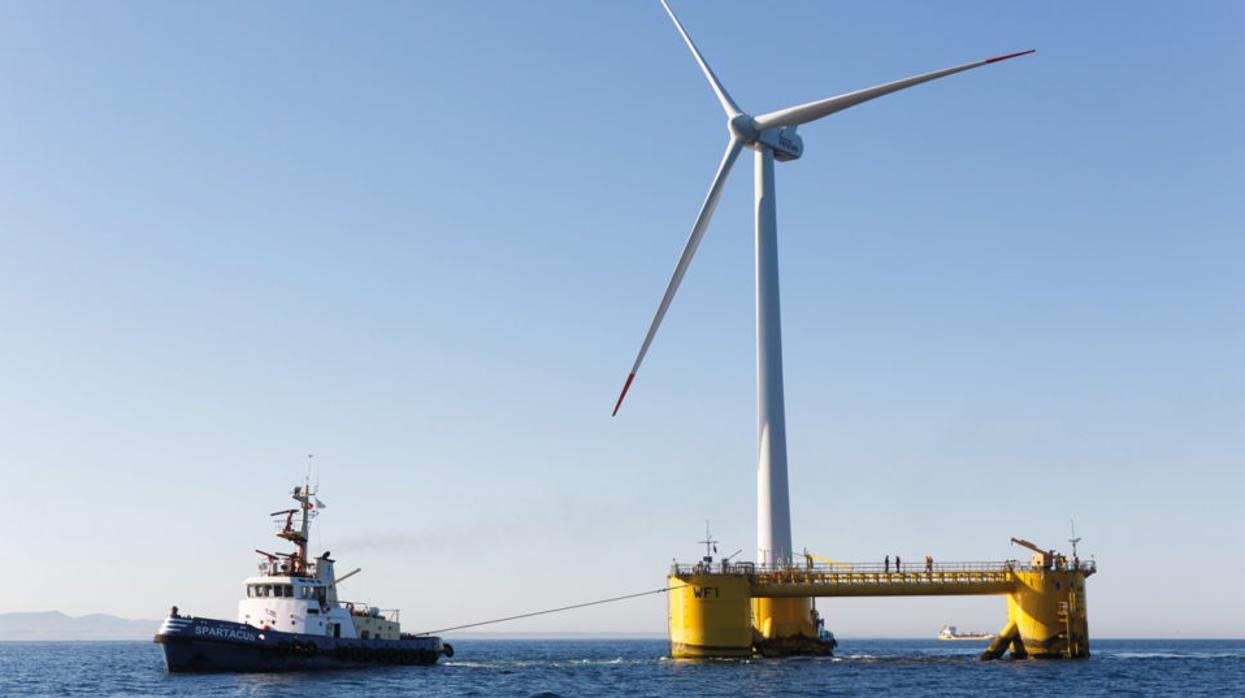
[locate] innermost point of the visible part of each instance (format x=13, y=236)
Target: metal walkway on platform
x=874, y=579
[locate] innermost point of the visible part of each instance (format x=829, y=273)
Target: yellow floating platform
x=737, y=610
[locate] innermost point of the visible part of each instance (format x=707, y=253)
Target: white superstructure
x=295, y=604
x=295, y=595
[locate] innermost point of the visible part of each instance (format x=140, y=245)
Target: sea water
x=642, y=668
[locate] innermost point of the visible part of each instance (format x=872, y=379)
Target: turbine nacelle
x=786, y=144
x=783, y=141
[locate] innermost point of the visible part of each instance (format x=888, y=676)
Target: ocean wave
x=1176, y=655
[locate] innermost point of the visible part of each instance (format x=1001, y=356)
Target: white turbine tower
x=772, y=137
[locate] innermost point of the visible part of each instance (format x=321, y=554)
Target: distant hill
x=54, y=625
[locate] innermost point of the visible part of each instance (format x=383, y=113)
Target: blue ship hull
x=207, y=645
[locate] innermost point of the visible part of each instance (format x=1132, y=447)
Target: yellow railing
x=874, y=579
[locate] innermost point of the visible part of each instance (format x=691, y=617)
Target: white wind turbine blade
x=804, y=113
x=728, y=104
x=689, y=250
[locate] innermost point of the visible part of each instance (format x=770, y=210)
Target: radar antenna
x=711, y=545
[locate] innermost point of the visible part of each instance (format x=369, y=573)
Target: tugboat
x=290, y=617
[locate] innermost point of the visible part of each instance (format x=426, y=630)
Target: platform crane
x=809, y=557
x=1042, y=558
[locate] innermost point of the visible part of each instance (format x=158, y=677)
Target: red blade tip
x=630, y=377
x=996, y=59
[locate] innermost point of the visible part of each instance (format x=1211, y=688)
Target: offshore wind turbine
x=772, y=136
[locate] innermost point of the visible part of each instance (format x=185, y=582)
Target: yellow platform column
x=786, y=627
x=1048, y=608
x=710, y=616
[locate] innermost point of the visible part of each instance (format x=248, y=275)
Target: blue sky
x=423, y=242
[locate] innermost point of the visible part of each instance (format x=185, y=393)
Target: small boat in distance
x=290, y=617
x=949, y=632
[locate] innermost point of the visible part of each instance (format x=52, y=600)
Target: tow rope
x=552, y=610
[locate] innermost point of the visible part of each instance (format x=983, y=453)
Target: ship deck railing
x=361, y=609
x=852, y=568
x=879, y=579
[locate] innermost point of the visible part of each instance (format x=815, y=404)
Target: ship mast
x=299, y=536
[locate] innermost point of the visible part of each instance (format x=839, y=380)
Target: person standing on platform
x=898, y=564
x=887, y=564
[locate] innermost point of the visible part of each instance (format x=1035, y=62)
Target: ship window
x=250, y=591
x=364, y=635
x=287, y=591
